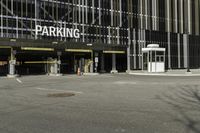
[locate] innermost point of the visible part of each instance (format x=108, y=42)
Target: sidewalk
x=175, y=72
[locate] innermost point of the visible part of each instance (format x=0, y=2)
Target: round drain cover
x=66, y=94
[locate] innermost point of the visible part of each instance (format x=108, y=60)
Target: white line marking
x=44, y=89
x=18, y=80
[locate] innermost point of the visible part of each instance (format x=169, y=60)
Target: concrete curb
x=165, y=74
x=55, y=75
x=12, y=76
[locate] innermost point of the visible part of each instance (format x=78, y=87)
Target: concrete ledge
x=188, y=72
x=128, y=71
x=90, y=74
x=12, y=76
x=56, y=75
x=114, y=72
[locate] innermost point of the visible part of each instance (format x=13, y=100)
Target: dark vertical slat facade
x=109, y=22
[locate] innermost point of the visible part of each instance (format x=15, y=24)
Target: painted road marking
x=45, y=89
x=18, y=80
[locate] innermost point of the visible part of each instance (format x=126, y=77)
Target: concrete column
x=11, y=67
x=92, y=64
x=12, y=64
x=91, y=68
x=128, y=60
x=128, y=53
x=114, y=70
x=102, y=63
x=54, y=68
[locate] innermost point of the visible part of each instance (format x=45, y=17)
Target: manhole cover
x=66, y=94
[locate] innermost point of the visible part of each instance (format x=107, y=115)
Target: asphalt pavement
x=107, y=103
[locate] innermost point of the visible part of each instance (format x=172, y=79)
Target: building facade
x=113, y=31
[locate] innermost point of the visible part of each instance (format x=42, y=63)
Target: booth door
x=145, y=61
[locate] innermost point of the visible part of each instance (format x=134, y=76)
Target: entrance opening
x=4, y=63
x=82, y=61
x=121, y=62
x=33, y=62
x=46, y=62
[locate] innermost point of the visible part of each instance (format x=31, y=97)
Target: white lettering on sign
x=57, y=31
x=52, y=31
x=45, y=31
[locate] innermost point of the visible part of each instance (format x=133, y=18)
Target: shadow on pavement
x=186, y=103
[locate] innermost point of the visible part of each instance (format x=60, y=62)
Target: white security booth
x=153, y=58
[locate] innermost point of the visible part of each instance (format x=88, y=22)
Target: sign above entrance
x=57, y=31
